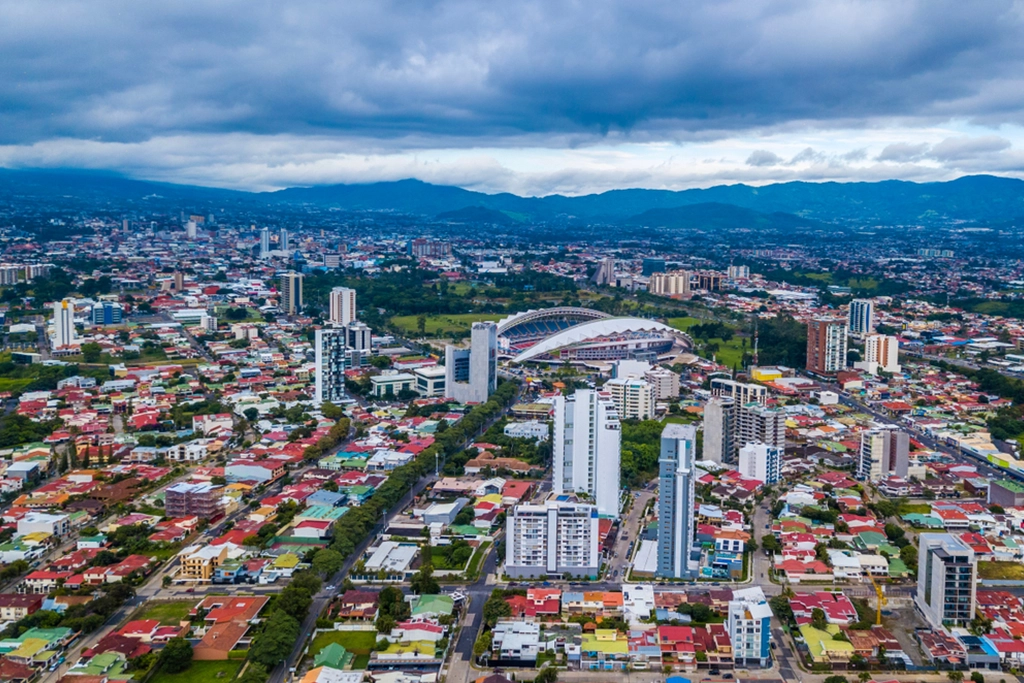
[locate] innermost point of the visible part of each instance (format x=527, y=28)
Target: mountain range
x=971, y=200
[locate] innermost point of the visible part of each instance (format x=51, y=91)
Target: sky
x=530, y=97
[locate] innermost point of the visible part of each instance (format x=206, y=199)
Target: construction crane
x=881, y=600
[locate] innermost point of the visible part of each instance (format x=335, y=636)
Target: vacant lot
x=1007, y=571
x=202, y=672
x=356, y=642
x=168, y=613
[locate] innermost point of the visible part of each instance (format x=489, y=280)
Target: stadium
x=580, y=335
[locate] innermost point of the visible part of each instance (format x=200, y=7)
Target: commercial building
x=677, y=494
x=1006, y=493
x=430, y=249
x=330, y=359
x=553, y=539
x=719, y=413
x=862, y=316
x=291, y=293
x=750, y=627
x=633, y=398
x=883, y=453
x=471, y=375
x=429, y=380
x=762, y=462
x=826, y=346
x=586, y=448
x=63, y=323
x=652, y=266
x=201, y=500
x=947, y=571
x=107, y=313
x=343, y=305
x=391, y=384
x=41, y=522
x=881, y=353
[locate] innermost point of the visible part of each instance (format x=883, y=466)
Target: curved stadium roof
x=593, y=330
x=506, y=324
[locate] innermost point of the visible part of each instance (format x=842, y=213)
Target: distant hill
x=714, y=215
x=477, y=214
x=972, y=200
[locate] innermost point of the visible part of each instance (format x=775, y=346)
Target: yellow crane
x=881, y=600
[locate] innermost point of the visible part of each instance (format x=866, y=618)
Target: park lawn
x=682, y=419
x=360, y=662
x=863, y=283
x=356, y=642
x=915, y=508
x=445, y=323
x=683, y=323
x=1007, y=571
x=478, y=556
x=203, y=672
x=438, y=559
x=168, y=613
x=252, y=315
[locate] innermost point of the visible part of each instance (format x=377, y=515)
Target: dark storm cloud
x=465, y=72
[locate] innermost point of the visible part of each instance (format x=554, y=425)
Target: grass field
x=357, y=642
x=1009, y=571
x=168, y=613
x=915, y=508
x=729, y=353
x=202, y=672
x=442, y=324
x=360, y=662
x=684, y=323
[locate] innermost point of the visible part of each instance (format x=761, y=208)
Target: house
x=356, y=604
x=14, y=607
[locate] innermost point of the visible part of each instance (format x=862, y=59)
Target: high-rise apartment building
x=190, y=230
x=947, y=572
x=676, y=498
x=755, y=423
x=883, y=453
x=471, y=375
x=422, y=247
x=360, y=338
x=750, y=627
x=10, y=275
x=200, y=500
x=826, y=346
x=107, y=313
x=665, y=383
x=331, y=363
x=554, y=539
x=633, y=398
x=282, y=240
x=719, y=413
x=739, y=272
x=343, y=305
x=264, y=242
x=762, y=462
x=862, y=316
x=586, y=448
x=63, y=323
x=651, y=266
x=291, y=293
x=881, y=353
x=675, y=283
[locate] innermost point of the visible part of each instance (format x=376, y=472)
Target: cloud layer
x=302, y=89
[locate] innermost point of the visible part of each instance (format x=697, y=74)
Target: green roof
x=820, y=642
x=1010, y=485
x=897, y=568
x=591, y=643
x=917, y=519
x=466, y=530
x=333, y=656
x=433, y=604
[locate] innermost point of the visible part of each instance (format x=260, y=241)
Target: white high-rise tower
x=343, y=305
x=586, y=448
x=63, y=323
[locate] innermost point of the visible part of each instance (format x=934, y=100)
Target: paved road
x=629, y=532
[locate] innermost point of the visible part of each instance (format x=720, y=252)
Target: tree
x=818, y=619
x=771, y=544
x=251, y=414
x=327, y=562
x=977, y=677
x=955, y=676
x=424, y=583
x=176, y=656
x=254, y=673
x=836, y=679
x=331, y=411
x=91, y=352
x=275, y=643
x=548, y=674
x=496, y=608
x=864, y=676
x=294, y=602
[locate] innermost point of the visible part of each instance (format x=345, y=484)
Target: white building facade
x=586, y=448
x=554, y=539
